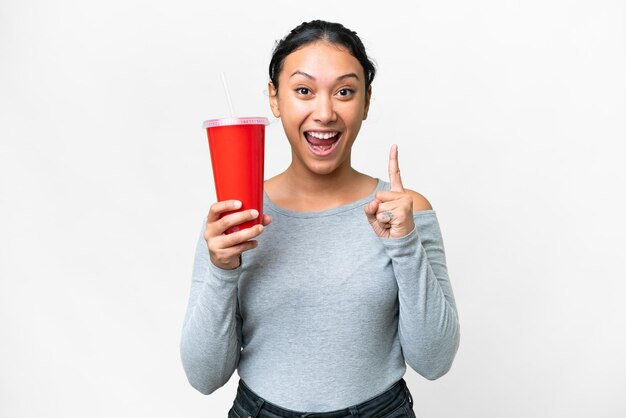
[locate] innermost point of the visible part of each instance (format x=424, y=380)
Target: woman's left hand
x=391, y=211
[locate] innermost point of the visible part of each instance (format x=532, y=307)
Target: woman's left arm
x=428, y=325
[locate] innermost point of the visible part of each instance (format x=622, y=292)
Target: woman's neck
x=299, y=189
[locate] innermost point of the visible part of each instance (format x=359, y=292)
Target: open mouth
x=322, y=142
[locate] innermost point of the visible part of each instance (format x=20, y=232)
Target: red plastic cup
x=237, y=148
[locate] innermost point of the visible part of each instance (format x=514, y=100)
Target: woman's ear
x=368, y=96
x=273, y=92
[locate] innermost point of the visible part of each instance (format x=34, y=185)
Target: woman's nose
x=324, y=111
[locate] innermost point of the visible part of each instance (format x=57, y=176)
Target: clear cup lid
x=212, y=123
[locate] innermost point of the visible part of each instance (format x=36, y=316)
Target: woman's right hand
x=225, y=249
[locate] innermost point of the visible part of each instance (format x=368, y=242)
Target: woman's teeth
x=322, y=142
x=322, y=138
x=323, y=135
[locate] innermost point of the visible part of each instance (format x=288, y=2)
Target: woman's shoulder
x=420, y=202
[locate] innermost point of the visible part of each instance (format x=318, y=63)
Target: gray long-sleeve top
x=324, y=313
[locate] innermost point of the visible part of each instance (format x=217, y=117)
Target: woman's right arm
x=211, y=336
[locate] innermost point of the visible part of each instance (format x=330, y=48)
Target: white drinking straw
x=230, y=103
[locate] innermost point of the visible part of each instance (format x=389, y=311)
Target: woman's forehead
x=320, y=60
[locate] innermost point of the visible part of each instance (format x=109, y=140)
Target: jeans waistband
x=386, y=402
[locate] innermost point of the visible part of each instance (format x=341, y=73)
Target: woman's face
x=322, y=102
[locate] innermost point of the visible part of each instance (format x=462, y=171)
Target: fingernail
x=237, y=204
x=260, y=228
x=254, y=213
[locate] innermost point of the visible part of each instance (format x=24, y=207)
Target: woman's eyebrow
x=303, y=74
x=341, y=77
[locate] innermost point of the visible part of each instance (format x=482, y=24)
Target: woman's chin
x=323, y=168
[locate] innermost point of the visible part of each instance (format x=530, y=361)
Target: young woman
x=347, y=281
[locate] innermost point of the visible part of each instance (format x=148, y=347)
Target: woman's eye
x=303, y=90
x=345, y=92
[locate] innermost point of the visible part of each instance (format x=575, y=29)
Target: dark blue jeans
x=396, y=402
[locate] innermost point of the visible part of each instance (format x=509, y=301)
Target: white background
x=508, y=114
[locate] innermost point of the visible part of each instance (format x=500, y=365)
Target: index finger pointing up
x=394, y=170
